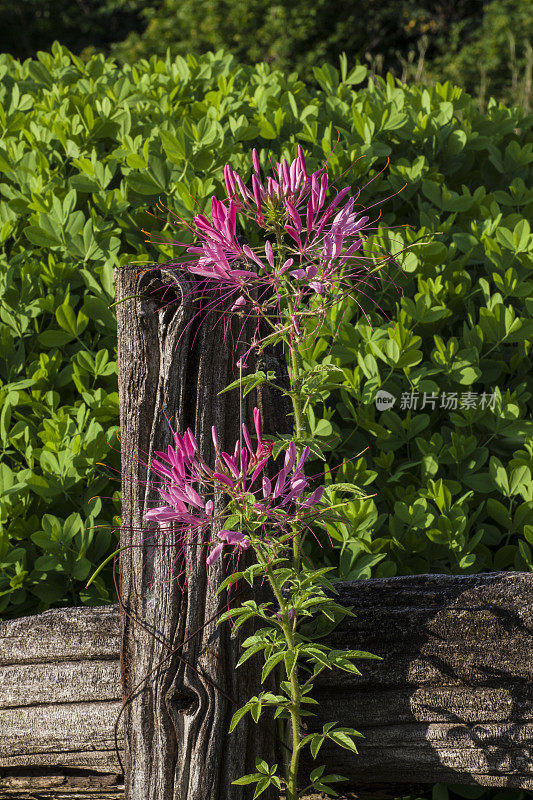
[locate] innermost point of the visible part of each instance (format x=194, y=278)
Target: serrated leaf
x=249, y=653
x=316, y=744
x=256, y=711
x=246, y=779
x=270, y=664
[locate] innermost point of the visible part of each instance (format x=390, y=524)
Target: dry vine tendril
x=312, y=259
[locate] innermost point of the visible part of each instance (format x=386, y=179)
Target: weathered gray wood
x=452, y=697
x=59, y=700
x=177, y=746
x=450, y=702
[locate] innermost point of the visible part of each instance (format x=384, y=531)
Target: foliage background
x=88, y=148
x=482, y=45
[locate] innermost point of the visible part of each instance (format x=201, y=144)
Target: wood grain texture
x=177, y=746
x=59, y=700
x=450, y=702
x=452, y=697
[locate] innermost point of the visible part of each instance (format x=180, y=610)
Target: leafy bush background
x=86, y=150
x=485, y=46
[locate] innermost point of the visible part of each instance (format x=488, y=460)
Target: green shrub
x=86, y=150
x=484, y=47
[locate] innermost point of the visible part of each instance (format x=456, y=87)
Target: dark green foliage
x=88, y=147
x=27, y=26
x=494, y=58
x=483, y=46
x=295, y=35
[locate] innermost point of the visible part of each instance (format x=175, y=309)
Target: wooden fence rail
x=450, y=702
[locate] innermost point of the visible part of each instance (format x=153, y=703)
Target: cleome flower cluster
x=268, y=506
x=313, y=249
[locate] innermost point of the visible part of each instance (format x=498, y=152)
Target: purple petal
x=258, y=425
x=214, y=555
x=235, y=537
x=161, y=513
x=301, y=159
x=280, y=483
x=247, y=438
x=286, y=265
x=269, y=254
x=224, y=479
x=250, y=253
x=244, y=460
x=260, y=467
x=230, y=463
x=290, y=456
x=228, y=179
x=315, y=497
x=255, y=161
x=304, y=457
x=239, y=303
x=193, y=498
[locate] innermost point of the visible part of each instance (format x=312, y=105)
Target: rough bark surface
x=450, y=702
x=172, y=367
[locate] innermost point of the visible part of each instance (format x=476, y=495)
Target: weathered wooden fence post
x=177, y=744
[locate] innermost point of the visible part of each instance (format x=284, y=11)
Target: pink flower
x=323, y=258
x=188, y=479
x=235, y=538
x=293, y=184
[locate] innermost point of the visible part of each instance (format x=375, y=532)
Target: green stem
x=294, y=711
x=299, y=429
x=296, y=396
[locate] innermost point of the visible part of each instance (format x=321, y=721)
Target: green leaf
x=290, y=658
x=270, y=664
x=238, y=715
x=247, y=779
x=316, y=773
x=40, y=237
x=250, y=382
x=262, y=785
x=343, y=740
x=144, y=183
x=67, y=319
x=499, y=475
x=173, y=146
x=251, y=651
x=316, y=744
